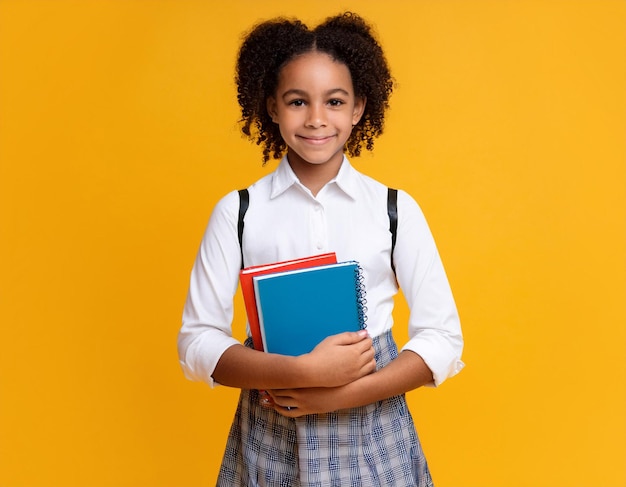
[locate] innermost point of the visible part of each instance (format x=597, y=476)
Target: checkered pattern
x=370, y=446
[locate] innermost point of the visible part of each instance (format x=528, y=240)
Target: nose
x=316, y=116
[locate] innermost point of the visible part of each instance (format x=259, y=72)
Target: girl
x=336, y=416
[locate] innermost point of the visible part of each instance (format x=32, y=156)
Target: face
x=315, y=109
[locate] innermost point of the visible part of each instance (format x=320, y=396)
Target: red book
x=247, y=286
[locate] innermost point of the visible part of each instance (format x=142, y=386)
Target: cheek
x=288, y=124
x=283, y=129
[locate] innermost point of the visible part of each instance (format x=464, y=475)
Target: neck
x=314, y=176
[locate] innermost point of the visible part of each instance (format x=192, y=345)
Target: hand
x=406, y=372
x=341, y=359
x=294, y=403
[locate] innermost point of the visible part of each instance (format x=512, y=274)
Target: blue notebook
x=299, y=308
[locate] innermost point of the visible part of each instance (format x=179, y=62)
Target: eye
x=335, y=102
x=297, y=102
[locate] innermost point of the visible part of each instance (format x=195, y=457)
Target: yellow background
x=118, y=134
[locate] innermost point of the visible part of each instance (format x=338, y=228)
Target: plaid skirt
x=370, y=446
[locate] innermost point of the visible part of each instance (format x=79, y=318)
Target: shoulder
x=362, y=186
x=380, y=191
x=413, y=226
x=228, y=204
x=408, y=202
x=224, y=214
x=409, y=210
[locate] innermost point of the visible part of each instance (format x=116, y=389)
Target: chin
x=320, y=159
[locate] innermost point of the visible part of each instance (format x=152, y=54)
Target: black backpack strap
x=392, y=211
x=244, y=201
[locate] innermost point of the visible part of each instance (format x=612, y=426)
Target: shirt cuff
x=442, y=363
x=202, y=355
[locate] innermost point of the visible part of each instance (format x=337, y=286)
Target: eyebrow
x=330, y=92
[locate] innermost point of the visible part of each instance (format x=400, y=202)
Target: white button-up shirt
x=349, y=217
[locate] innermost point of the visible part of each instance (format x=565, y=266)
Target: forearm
x=405, y=373
x=337, y=360
x=246, y=368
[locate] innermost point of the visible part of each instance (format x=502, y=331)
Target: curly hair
x=270, y=45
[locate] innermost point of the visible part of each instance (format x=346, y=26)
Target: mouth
x=317, y=140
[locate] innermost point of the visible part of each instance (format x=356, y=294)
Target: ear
x=359, y=108
x=271, y=108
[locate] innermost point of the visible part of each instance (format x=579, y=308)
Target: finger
x=286, y=404
x=350, y=337
x=282, y=398
x=371, y=366
x=289, y=413
x=364, y=349
x=366, y=345
x=280, y=393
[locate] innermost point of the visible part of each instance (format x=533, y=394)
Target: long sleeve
x=207, y=317
x=434, y=327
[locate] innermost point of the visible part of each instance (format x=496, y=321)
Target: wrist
x=355, y=394
x=306, y=371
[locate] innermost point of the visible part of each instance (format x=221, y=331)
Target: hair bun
x=348, y=22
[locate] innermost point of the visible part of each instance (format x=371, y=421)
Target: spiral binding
x=361, y=301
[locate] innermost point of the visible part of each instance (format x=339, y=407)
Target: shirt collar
x=284, y=178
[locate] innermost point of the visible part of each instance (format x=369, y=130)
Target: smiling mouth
x=316, y=140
